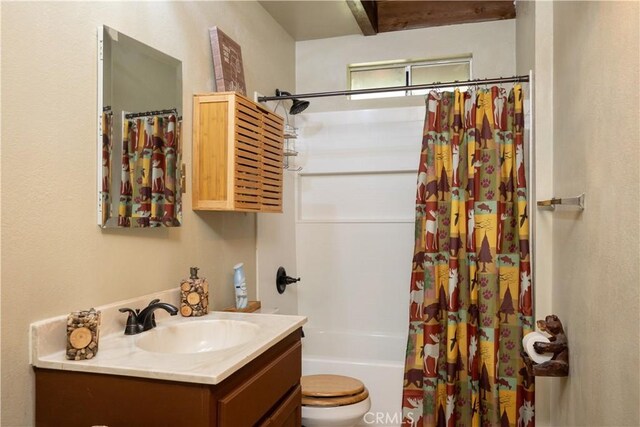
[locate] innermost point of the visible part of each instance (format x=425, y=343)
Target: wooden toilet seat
x=331, y=390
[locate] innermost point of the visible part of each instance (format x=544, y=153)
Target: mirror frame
x=101, y=33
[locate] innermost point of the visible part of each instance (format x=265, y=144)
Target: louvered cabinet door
x=247, y=188
x=237, y=154
x=272, y=153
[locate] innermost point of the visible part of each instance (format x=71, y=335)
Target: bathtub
x=376, y=359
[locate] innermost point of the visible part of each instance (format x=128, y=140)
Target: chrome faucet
x=140, y=321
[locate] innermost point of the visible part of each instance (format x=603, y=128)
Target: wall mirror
x=139, y=154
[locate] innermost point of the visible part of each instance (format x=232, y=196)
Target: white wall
x=596, y=257
x=321, y=65
x=276, y=247
x=54, y=258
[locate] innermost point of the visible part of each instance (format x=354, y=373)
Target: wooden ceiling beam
x=366, y=14
x=406, y=15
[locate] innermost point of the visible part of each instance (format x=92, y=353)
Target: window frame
x=407, y=64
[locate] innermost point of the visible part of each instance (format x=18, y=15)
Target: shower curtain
x=149, y=196
x=105, y=193
x=471, y=295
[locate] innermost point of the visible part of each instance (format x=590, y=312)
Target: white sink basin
x=197, y=336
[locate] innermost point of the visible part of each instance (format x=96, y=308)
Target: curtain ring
x=502, y=89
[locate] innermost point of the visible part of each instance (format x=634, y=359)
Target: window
x=406, y=73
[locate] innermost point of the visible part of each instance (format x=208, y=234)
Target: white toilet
x=333, y=400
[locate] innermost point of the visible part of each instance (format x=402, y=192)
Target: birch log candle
x=83, y=330
x=194, y=295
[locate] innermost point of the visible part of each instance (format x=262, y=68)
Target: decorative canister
x=194, y=295
x=83, y=331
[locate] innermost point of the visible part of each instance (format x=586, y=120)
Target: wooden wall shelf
x=251, y=307
x=237, y=154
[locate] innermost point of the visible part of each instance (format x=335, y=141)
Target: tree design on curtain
x=471, y=296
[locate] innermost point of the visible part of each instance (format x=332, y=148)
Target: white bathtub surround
x=119, y=355
x=375, y=359
x=355, y=217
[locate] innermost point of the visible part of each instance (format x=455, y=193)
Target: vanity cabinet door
x=78, y=399
x=255, y=398
x=288, y=413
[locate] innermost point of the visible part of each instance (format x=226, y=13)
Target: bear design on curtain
x=149, y=193
x=471, y=295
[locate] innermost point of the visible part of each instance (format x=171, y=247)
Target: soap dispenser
x=194, y=295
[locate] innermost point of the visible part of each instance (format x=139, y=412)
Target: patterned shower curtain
x=471, y=295
x=149, y=189
x=105, y=193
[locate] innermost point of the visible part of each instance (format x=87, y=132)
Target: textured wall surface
x=595, y=255
x=55, y=259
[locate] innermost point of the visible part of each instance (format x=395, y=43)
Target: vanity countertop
x=119, y=355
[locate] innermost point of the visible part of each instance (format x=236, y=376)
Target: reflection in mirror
x=139, y=146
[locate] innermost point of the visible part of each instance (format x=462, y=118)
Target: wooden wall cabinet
x=265, y=392
x=237, y=154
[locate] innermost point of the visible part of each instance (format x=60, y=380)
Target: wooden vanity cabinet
x=237, y=154
x=265, y=392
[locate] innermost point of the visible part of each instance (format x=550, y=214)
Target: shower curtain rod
x=151, y=113
x=475, y=82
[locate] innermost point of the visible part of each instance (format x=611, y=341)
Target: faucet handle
x=131, y=312
x=132, y=326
